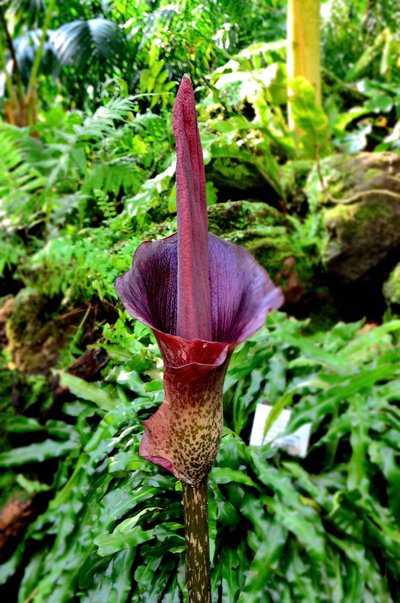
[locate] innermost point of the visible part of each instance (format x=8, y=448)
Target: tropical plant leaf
x=78, y=42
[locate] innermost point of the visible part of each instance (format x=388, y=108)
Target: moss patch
x=391, y=289
x=34, y=340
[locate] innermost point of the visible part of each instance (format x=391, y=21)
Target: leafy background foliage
x=330, y=530
x=80, y=189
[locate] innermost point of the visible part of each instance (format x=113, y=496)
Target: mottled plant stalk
x=195, y=508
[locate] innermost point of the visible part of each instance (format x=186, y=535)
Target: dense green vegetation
x=86, y=173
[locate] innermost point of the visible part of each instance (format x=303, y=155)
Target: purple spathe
x=241, y=292
x=201, y=296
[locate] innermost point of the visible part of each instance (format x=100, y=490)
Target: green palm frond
x=26, y=46
x=29, y=11
x=79, y=42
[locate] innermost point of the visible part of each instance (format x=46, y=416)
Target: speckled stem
x=195, y=507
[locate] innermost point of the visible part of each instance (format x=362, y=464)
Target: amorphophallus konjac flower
x=201, y=296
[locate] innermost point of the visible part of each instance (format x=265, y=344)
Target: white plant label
x=295, y=443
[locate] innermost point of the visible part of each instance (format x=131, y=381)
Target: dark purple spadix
x=201, y=296
x=194, y=311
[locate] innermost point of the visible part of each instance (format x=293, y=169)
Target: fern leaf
x=20, y=183
x=120, y=174
x=102, y=122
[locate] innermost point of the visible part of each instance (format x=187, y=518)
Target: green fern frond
x=102, y=122
x=120, y=174
x=80, y=269
x=21, y=184
x=69, y=151
x=11, y=252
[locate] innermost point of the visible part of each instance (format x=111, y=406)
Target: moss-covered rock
x=391, y=289
x=361, y=236
x=42, y=332
x=347, y=175
x=360, y=201
x=224, y=218
x=33, y=338
x=232, y=178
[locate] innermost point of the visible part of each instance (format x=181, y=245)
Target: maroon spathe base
x=183, y=436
